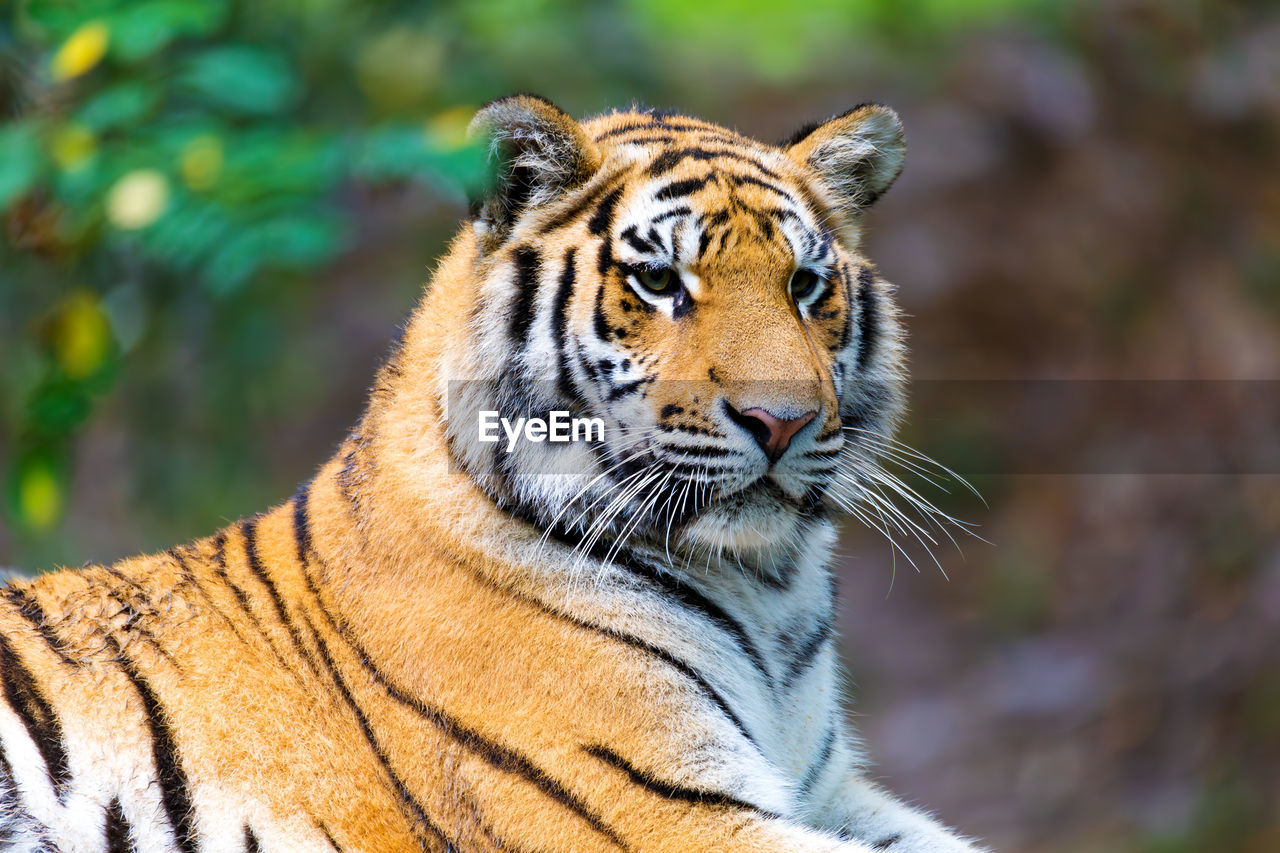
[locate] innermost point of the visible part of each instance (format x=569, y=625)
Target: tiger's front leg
x=698, y=827
x=856, y=808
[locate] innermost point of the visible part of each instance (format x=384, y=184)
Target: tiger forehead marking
x=444, y=645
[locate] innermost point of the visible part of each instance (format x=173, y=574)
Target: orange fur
x=382, y=663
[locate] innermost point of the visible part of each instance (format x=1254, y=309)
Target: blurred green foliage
x=161, y=151
x=194, y=144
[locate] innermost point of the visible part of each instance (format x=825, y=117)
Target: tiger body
x=437, y=645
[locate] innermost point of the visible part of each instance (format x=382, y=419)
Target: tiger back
x=446, y=643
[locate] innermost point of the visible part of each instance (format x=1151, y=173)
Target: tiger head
x=701, y=294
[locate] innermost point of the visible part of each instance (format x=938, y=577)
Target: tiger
x=442, y=643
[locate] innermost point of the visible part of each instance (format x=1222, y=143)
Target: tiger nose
x=772, y=433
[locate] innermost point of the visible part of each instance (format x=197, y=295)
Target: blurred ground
x=1092, y=194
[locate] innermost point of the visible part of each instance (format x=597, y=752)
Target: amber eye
x=804, y=283
x=657, y=279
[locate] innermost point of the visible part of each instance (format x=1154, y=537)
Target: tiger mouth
x=764, y=490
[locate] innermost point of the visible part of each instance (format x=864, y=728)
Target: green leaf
x=20, y=161
x=297, y=241
x=240, y=78
x=58, y=407
x=189, y=235
x=270, y=164
x=406, y=152
x=118, y=106
x=141, y=29
x=59, y=19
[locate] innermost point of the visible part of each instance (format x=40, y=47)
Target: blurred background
x=216, y=213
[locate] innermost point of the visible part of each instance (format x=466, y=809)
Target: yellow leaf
x=138, y=199
x=82, y=339
x=398, y=69
x=72, y=146
x=82, y=50
x=448, y=128
x=201, y=162
x=39, y=497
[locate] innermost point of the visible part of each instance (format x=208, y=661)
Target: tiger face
x=704, y=296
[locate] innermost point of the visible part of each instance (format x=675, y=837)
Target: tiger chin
x=439, y=643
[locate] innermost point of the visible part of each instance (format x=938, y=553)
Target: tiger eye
x=657, y=280
x=804, y=283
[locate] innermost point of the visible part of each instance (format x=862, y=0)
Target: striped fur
x=435, y=646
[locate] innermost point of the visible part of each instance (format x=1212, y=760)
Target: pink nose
x=772, y=433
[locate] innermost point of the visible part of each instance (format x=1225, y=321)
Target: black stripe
x=684, y=668
x=29, y=609
x=784, y=214
x=175, y=789
x=708, y=223
x=681, y=210
x=655, y=139
x=828, y=290
x=631, y=126
x=599, y=323
x=220, y=569
x=852, y=307
x=868, y=316
x=777, y=577
x=587, y=199
x=604, y=259
x=707, y=131
x=497, y=755
x=657, y=124
x=725, y=138
x=617, y=392
x=739, y=180
x=806, y=654
x=118, y=836
x=328, y=836
x=24, y=696
x=670, y=790
x=406, y=796
x=682, y=188
x=560, y=326
x=704, y=242
x=249, y=529
x=528, y=264
x=820, y=762
x=763, y=222
x=637, y=242
x=8, y=782
x=700, y=452
x=691, y=598
x=720, y=217
x=602, y=219
x=302, y=522
x=668, y=160
x=302, y=535
x=662, y=123
x=251, y=844
x=190, y=578
x=668, y=584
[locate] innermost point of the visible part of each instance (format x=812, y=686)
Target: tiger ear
x=539, y=152
x=856, y=155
